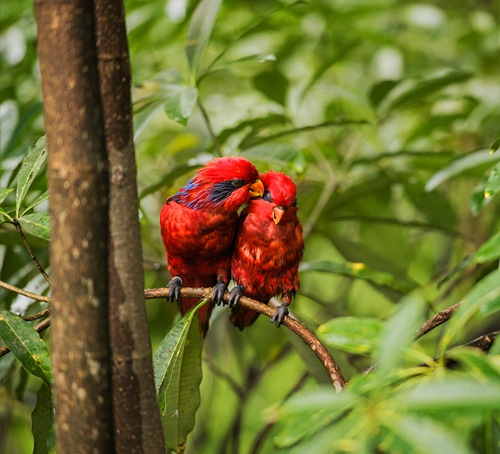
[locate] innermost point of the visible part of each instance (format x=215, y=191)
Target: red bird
x=198, y=228
x=269, y=248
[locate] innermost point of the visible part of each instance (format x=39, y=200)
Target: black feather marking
x=221, y=191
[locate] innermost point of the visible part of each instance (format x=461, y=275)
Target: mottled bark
x=137, y=419
x=78, y=185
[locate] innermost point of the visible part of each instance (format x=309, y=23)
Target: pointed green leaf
x=199, y=31
x=26, y=345
x=273, y=85
x=42, y=421
x=489, y=251
x=380, y=90
x=181, y=102
x=29, y=169
x=425, y=88
x=494, y=146
x=5, y=217
x=399, y=334
x=459, y=166
x=484, y=297
x=477, y=363
x=356, y=271
x=9, y=114
x=310, y=411
x=4, y=192
x=451, y=394
x=178, y=373
x=37, y=224
x=38, y=200
x=358, y=335
x=423, y=436
x=492, y=186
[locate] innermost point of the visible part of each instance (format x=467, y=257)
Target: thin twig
x=41, y=314
x=211, y=131
x=30, y=251
x=23, y=292
x=39, y=328
x=298, y=328
x=438, y=319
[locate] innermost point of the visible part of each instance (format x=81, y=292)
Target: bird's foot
x=218, y=293
x=235, y=295
x=174, y=289
x=279, y=315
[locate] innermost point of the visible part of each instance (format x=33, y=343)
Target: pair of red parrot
x=207, y=243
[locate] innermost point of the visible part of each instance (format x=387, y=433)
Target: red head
x=223, y=183
x=280, y=194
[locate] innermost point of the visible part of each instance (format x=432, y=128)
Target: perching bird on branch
x=268, y=250
x=198, y=228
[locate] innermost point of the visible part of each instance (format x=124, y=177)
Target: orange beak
x=278, y=213
x=256, y=189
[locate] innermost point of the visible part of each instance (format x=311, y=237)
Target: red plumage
x=198, y=227
x=269, y=248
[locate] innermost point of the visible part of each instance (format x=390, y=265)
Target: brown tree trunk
x=78, y=185
x=138, y=427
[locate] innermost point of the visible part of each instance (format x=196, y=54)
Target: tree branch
x=298, y=328
x=438, y=319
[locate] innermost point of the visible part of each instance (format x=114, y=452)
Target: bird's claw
x=174, y=289
x=279, y=314
x=235, y=295
x=218, y=293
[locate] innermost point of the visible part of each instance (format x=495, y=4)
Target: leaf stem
x=19, y=229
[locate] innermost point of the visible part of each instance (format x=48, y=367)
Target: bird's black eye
x=267, y=196
x=295, y=204
x=237, y=183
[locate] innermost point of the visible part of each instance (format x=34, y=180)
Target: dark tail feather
x=241, y=317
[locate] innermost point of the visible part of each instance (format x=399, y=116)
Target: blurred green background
x=382, y=111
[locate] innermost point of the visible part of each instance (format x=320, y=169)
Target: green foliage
x=178, y=373
x=386, y=115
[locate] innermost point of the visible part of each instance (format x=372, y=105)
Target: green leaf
x=494, y=146
x=399, y=334
x=26, y=345
x=476, y=362
x=358, y=335
x=492, y=186
x=9, y=114
x=451, y=394
x=484, y=297
x=423, y=89
x=273, y=85
x=356, y=271
x=199, y=31
x=37, y=224
x=4, y=192
x=29, y=169
x=178, y=373
x=489, y=251
x=38, y=200
x=380, y=90
x=459, y=166
x=424, y=435
x=42, y=420
x=181, y=102
x=310, y=411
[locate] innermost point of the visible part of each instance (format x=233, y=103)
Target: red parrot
x=269, y=247
x=198, y=228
